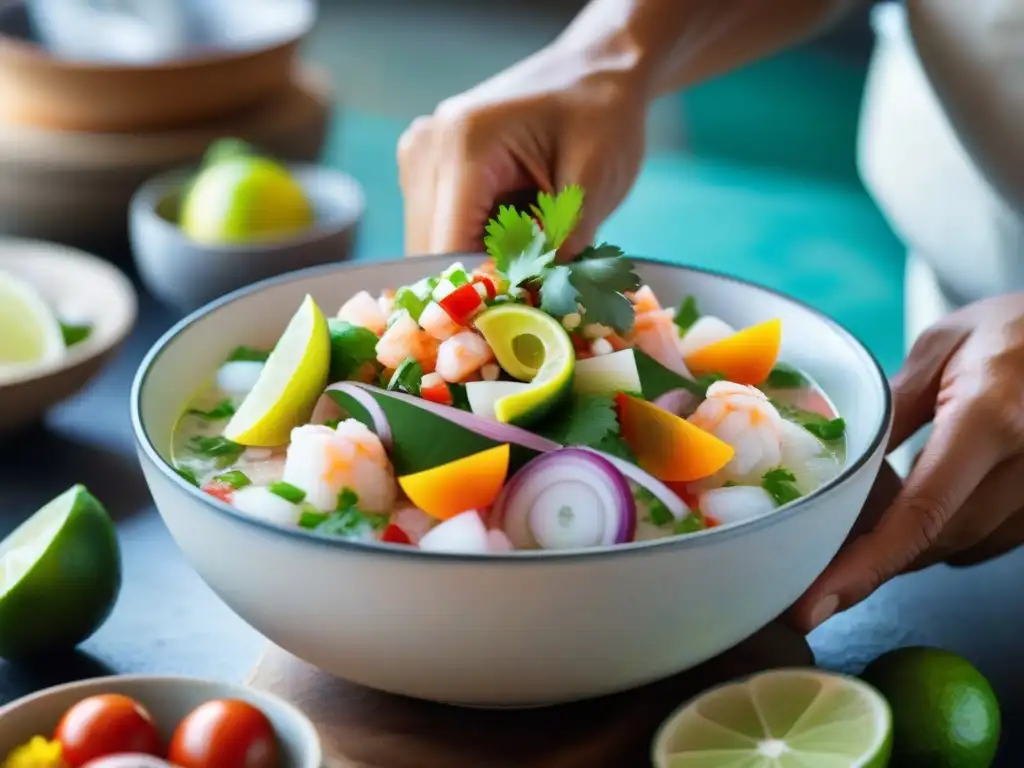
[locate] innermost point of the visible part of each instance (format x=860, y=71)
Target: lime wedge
x=789, y=718
x=291, y=382
x=60, y=574
x=532, y=346
x=30, y=334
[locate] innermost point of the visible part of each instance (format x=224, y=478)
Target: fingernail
x=823, y=610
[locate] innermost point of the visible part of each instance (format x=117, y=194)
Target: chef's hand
x=963, y=502
x=553, y=119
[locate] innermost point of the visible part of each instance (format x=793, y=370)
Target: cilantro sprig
x=524, y=248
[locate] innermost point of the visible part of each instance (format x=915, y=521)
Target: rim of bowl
x=155, y=190
x=86, y=352
x=677, y=543
x=292, y=711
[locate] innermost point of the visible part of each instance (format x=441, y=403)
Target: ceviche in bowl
x=504, y=479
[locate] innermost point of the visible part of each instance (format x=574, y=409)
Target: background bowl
x=525, y=628
x=81, y=288
x=188, y=274
x=76, y=94
x=168, y=699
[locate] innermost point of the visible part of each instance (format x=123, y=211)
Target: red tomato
x=438, y=393
x=395, y=535
x=221, y=491
x=225, y=733
x=103, y=725
x=462, y=303
x=134, y=760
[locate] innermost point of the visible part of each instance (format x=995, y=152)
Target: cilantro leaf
x=687, y=314
x=220, y=448
x=600, y=282
x=820, y=426
x=783, y=376
x=781, y=485
x=188, y=475
x=559, y=214
x=583, y=420
x=223, y=410
x=509, y=235
x=603, y=251
x=352, y=347
x=690, y=524
x=615, y=445
x=656, y=379
x=530, y=264
x=407, y=377
x=557, y=295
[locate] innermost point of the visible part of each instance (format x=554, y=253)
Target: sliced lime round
x=532, y=346
x=60, y=574
x=30, y=333
x=292, y=380
x=789, y=718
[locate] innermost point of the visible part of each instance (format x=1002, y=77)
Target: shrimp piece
x=462, y=355
x=644, y=300
x=707, y=330
x=744, y=418
x=365, y=311
x=437, y=322
x=658, y=336
x=406, y=339
x=736, y=503
x=324, y=461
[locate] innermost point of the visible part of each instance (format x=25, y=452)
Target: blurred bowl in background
x=187, y=274
x=85, y=94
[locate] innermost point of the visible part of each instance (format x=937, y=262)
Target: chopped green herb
x=188, y=475
x=456, y=275
x=657, y=512
x=687, y=314
x=820, y=426
x=332, y=423
x=559, y=214
x=582, y=420
x=288, y=492
x=615, y=445
x=781, y=485
x=345, y=523
x=223, y=410
x=408, y=299
x=596, y=281
x=692, y=523
x=247, y=355
x=407, y=377
x=216, y=448
x=236, y=478
x=310, y=519
x=75, y=333
x=783, y=376
x=460, y=399
x=352, y=347
x=656, y=379
x=347, y=498
x=510, y=234
x=531, y=264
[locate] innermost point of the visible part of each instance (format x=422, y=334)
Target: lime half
x=292, y=380
x=532, y=346
x=30, y=334
x=790, y=718
x=60, y=574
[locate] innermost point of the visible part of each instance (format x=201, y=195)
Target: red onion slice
x=325, y=406
x=567, y=499
x=493, y=430
x=661, y=492
x=678, y=402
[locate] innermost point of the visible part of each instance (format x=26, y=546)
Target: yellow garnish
x=38, y=753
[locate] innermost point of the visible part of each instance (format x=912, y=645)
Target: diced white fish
x=744, y=418
x=462, y=355
x=736, y=503
x=263, y=471
x=464, y=533
x=707, y=330
x=258, y=501
x=805, y=456
x=438, y=323
x=324, y=461
x=414, y=522
x=365, y=311
x=237, y=378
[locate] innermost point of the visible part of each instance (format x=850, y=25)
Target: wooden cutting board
x=362, y=728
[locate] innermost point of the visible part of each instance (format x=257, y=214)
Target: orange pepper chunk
x=746, y=357
x=669, y=447
x=473, y=482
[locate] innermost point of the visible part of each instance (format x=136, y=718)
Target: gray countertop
x=168, y=621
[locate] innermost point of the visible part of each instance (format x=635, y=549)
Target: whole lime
x=242, y=199
x=945, y=714
x=60, y=575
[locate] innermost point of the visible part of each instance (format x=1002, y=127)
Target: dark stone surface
x=168, y=621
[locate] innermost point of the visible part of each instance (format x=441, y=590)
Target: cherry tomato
x=225, y=733
x=134, y=760
x=103, y=725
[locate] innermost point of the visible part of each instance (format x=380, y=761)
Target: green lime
x=787, y=718
x=60, y=574
x=945, y=713
x=30, y=333
x=532, y=346
x=292, y=380
x=243, y=199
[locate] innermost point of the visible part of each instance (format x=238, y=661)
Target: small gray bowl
x=187, y=274
x=168, y=699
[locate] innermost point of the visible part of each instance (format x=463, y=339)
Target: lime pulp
x=29, y=331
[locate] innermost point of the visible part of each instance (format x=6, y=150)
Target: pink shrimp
x=658, y=336
x=462, y=355
x=437, y=322
x=644, y=300
x=406, y=339
x=365, y=311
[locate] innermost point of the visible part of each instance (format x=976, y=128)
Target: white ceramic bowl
x=526, y=628
x=168, y=699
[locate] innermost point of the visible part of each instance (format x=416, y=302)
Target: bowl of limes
x=63, y=315
x=238, y=218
